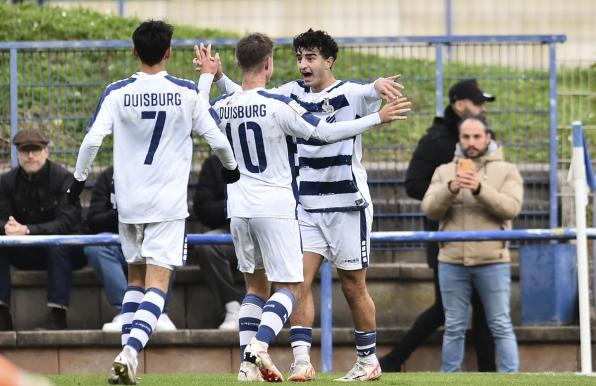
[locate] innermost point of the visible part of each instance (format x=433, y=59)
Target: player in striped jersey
x=335, y=210
x=151, y=115
x=262, y=205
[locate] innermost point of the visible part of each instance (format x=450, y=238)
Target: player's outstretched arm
x=303, y=124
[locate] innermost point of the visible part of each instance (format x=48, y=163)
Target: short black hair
x=252, y=50
x=151, y=39
x=317, y=39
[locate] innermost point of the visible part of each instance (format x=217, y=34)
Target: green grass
x=538, y=379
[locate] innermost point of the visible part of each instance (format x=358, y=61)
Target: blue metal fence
x=55, y=86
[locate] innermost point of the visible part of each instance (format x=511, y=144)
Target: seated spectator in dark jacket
x=217, y=261
x=33, y=202
x=108, y=260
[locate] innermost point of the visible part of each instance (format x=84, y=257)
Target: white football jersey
x=260, y=126
x=151, y=117
x=332, y=177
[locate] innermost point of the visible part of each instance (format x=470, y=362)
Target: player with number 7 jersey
x=151, y=115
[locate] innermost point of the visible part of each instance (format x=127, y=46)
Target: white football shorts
x=269, y=243
x=340, y=237
x=161, y=243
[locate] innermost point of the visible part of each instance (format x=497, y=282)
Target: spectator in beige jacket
x=477, y=191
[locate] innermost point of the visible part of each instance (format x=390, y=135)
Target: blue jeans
x=111, y=269
x=493, y=284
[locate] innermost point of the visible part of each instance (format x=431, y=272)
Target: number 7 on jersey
x=157, y=131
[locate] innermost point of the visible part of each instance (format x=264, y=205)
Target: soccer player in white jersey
x=151, y=115
x=335, y=209
x=262, y=205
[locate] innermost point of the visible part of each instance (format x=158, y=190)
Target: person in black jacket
x=33, y=202
x=108, y=261
x=435, y=148
x=217, y=261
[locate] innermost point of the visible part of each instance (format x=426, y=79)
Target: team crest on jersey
x=297, y=107
x=327, y=107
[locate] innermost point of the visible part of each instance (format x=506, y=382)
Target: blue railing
x=326, y=282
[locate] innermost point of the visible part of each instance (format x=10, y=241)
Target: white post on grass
x=581, y=200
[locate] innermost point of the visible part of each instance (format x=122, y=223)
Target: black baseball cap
x=469, y=89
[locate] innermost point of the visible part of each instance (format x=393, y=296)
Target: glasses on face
x=33, y=150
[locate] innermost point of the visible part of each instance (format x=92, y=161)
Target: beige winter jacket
x=498, y=202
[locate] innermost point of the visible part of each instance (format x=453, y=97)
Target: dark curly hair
x=317, y=39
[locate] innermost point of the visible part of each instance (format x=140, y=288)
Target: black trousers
x=434, y=317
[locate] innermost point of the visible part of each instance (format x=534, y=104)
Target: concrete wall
x=285, y=18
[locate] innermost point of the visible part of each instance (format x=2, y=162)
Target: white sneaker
x=231, y=320
x=362, y=372
x=114, y=326
x=164, y=324
x=125, y=366
x=301, y=371
x=257, y=354
x=249, y=372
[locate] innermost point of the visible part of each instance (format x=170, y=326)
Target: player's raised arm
x=305, y=125
x=205, y=123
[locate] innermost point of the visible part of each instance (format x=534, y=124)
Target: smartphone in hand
x=465, y=165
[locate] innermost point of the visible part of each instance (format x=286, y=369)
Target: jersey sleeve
x=227, y=86
x=285, y=89
x=204, y=86
x=296, y=121
x=203, y=117
x=102, y=124
x=206, y=123
x=364, y=97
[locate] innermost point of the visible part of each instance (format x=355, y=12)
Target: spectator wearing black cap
x=33, y=202
x=435, y=148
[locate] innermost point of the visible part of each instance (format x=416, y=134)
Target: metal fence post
x=554, y=157
x=14, y=104
x=439, y=80
x=448, y=24
x=326, y=317
x=120, y=7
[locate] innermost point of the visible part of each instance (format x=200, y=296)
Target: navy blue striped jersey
x=261, y=126
x=332, y=177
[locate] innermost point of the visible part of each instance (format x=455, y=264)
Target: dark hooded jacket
x=435, y=148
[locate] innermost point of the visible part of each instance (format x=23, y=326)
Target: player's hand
x=230, y=176
x=388, y=88
x=74, y=191
x=394, y=110
x=205, y=63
